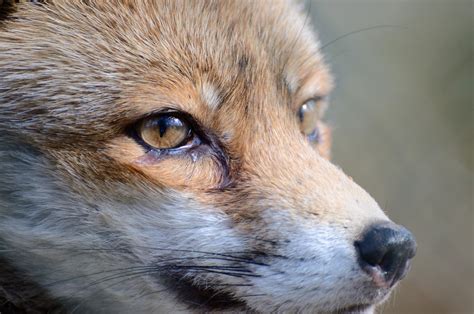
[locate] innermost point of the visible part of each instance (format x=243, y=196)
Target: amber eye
x=309, y=116
x=164, y=132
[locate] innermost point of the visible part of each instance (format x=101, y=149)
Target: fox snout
x=385, y=251
x=313, y=222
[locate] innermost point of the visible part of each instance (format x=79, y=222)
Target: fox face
x=162, y=156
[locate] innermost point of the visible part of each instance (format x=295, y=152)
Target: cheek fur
x=184, y=171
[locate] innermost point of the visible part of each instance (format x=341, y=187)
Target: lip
x=210, y=300
x=358, y=308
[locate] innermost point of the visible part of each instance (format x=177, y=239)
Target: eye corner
x=131, y=131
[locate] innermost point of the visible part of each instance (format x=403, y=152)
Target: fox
x=165, y=156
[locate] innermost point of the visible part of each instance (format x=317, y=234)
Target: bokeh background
x=402, y=118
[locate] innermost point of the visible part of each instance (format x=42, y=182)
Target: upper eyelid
x=194, y=123
x=161, y=111
x=317, y=98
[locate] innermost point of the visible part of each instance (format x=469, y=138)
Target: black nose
x=385, y=252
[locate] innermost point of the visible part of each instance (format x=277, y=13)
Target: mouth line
x=202, y=298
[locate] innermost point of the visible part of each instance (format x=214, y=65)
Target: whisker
x=228, y=255
x=109, y=278
x=200, y=252
x=232, y=285
x=252, y=295
x=230, y=259
x=142, y=267
x=137, y=271
x=128, y=275
x=93, y=274
x=297, y=37
x=125, y=276
x=152, y=292
x=233, y=274
x=325, y=45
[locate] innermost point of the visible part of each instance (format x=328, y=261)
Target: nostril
x=385, y=250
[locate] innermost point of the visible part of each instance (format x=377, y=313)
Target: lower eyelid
x=153, y=156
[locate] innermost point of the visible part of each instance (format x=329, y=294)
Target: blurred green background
x=402, y=119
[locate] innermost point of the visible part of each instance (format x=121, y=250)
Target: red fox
x=170, y=156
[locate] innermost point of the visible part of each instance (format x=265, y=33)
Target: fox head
x=160, y=156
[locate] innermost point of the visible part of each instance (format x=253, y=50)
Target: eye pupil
x=162, y=124
x=167, y=122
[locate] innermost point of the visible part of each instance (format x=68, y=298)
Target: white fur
x=210, y=95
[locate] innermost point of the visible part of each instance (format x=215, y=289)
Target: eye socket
x=309, y=117
x=165, y=131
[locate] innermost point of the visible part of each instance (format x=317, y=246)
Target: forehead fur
x=67, y=65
